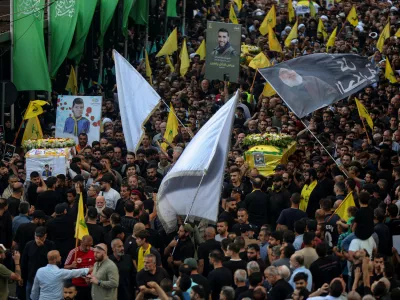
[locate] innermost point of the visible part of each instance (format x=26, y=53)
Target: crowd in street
x=277, y=237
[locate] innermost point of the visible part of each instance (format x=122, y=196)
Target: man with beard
x=229, y=214
x=82, y=143
x=105, y=276
x=111, y=196
x=289, y=183
x=279, y=199
x=100, y=204
x=151, y=179
x=81, y=257
x=224, y=47
x=307, y=193
x=70, y=291
x=125, y=269
x=96, y=231
x=222, y=229
x=256, y=203
x=48, y=284
x=125, y=196
x=253, y=254
x=95, y=173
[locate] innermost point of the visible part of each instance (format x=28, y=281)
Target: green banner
x=29, y=58
x=63, y=17
x=171, y=8
x=128, y=4
x=107, y=9
x=140, y=12
x=85, y=15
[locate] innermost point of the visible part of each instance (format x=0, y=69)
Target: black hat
x=40, y=231
x=60, y=208
x=38, y=214
x=78, y=178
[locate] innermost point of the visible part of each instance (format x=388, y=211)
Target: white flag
x=137, y=100
x=206, y=156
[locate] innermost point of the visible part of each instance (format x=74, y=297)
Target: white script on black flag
x=361, y=78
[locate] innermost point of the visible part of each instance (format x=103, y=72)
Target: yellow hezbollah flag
x=268, y=90
x=312, y=9
x=33, y=130
x=185, y=61
x=389, y=74
x=273, y=41
x=321, y=29
x=80, y=228
x=34, y=109
x=397, y=34
x=382, y=38
x=292, y=35
x=363, y=112
x=331, y=40
x=149, y=73
x=341, y=211
x=202, y=50
x=232, y=15
x=169, y=63
x=270, y=19
x=259, y=61
x=352, y=17
x=291, y=11
x=171, y=130
x=72, y=84
x=239, y=4
x=170, y=45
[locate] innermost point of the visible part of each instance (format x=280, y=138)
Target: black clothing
x=6, y=229
x=324, y=269
x=32, y=194
x=229, y=217
x=217, y=279
x=281, y=290
x=155, y=238
x=246, y=294
x=289, y=216
x=145, y=276
x=13, y=206
x=277, y=202
x=234, y=265
x=130, y=246
x=152, y=251
x=126, y=276
x=61, y=231
x=204, y=250
x=394, y=226
x=331, y=232
x=240, y=290
x=34, y=257
x=119, y=207
x=47, y=201
x=201, y=280
x=154, y=184
x=96, y=231
x=385, y=239
x=365, y=223
x=128, y=222
x=184, y=249
x=257, y=207
x=24, y=234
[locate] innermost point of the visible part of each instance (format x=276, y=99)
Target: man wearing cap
x=35, y=257
x=111, y=195
x=48, y=199
x=26, y=232
x=196, y=277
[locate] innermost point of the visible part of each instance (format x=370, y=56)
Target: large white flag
x=206, y=156
x=137, y=100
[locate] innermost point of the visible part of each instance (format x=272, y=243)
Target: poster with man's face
x=223, y=51
x=78, y=114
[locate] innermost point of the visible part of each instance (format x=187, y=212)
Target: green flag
x=127, y=10
x=171, y=8
x=81, y=89
x=107, y=8
x=85, y=16
x=29, y=59
x=63, y=19
x=140, y=12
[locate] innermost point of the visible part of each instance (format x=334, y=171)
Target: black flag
x=310, y=82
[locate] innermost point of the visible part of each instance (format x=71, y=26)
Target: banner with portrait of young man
x=223, y=51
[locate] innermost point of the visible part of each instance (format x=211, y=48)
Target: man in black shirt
x=220, y=276
x=26, y=232
x=280, y=288
x=256, y=204
x=205, y=248
x=235, y=263
x=385, y=239
x=196, y=277
x=364, y=219
x=229, y=214
x=292, y=214
x=33, y=184
x=48, y=199
x=151, y=179
x=96, y=231
x=15, y=199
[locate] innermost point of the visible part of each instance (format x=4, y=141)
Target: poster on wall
x=223, y=51
x=78, y=114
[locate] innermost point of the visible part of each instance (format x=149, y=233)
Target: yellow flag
x=312, y=9
x=389, y=74
x=273, y=41
x=149, y=73
x=292, y=35
x=321, y=29
x=239, y=4
x=268, y=90
x=80, y=228
x=270, y=19
x=291, y=11
x=34, y=109
x=72, y=84
x=169, y=62
x=185, y=61
x=202, y=50
x=171, y=130
x=232, y=16
x=352, y=17
x=331, y=40
x=259, y=61
x=33, y=130
x=363, y=112
x=382, y=38
x=397, y=34
x=341, y=211
x=170, y=45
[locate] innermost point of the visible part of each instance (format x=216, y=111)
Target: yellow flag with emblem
x=169, y=63
x=389, y=74
x=81, y=228
x=170, y=45
x=270, y=19
x=321, y=28
x=291, y=12
x=312, y=9
x=363, y=112
x=72, y=84
x=331, y=40
x=202, y=50
x=232, y=16
x=149, y=73
x=292, y=35
x=383, y=36
x=259, y=61
x=268, y=90
x=185, y=60
x=171, y=129
x=341, y=211
x=273, y=41
x=34, y=109
x=33, y=130
x=352, y=17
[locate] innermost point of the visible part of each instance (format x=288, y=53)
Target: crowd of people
x=276, y=237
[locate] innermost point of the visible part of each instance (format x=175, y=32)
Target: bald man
x=49, y=280
x=15, y=198
x=205, y=248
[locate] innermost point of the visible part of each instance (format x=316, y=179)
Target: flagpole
x=184, y=18
x=176, y=116
x=254, y=80
x=366, y=132
x=126, y=47
x=194, y=199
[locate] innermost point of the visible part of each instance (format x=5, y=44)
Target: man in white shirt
x=111, y=195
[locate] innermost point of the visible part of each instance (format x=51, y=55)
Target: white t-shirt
x=112, y=196
x=358, y=244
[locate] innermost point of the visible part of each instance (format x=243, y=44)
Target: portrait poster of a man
x=224, y=46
